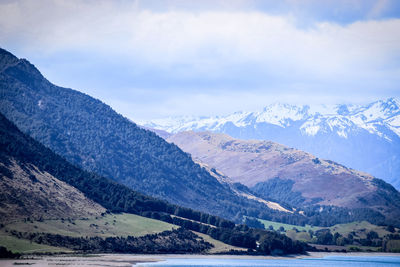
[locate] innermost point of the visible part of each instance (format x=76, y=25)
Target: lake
x=330, y=261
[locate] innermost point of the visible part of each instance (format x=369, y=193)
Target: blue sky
x=151, y=59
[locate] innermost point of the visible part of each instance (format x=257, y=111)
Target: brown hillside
x=25, y=191
x=319, y=181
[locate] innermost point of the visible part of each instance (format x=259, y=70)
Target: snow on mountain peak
x=314, y=119
x=280, y=114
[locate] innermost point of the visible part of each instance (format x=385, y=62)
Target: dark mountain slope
x=90, y=134
x=26, y=151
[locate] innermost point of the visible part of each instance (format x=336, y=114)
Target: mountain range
x=91, y=135
x=363, y=137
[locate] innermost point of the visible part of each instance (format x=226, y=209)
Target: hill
x=363, y=137
x=287, y=175
x=89, y=134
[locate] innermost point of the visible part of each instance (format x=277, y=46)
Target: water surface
x=329, y=261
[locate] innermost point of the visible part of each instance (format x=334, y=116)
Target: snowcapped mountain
x=364, y=137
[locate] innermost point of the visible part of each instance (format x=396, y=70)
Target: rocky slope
x=364, y=137
x=27, y=192
x=288, y=175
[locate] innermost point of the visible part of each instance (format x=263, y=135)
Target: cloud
x=204, y=51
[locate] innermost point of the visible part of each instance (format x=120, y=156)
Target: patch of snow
x=40, y=104
x=311, y=127
x=342, y=133
x=394, y=121
x=280, y=114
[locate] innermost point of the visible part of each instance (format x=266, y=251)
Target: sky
x=153, y=59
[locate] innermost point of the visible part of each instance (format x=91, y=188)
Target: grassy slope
x=25, y=246
x=361, y=228
x=109, y=225
x=345, y=229
x=218, y=245
x=277, y=225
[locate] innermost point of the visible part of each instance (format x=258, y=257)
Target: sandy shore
x=129, y=260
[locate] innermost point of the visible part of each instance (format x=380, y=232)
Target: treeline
x=387, y=243
x=256, y=240
x=391, y=243
x=324, y=216
x=317, y=215
x=253, y=223
x=175, y=241
x=325, y=237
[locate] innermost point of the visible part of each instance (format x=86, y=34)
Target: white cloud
x=209, y=39
x=213, y=45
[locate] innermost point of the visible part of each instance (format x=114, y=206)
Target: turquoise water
x=330, y=261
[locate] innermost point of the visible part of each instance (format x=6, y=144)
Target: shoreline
x=125, y=260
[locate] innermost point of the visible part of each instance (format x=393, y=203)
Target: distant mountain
x=274, y=171
x=88, y=133
x=363, y=137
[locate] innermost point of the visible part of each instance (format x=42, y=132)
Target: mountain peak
x=281, y=114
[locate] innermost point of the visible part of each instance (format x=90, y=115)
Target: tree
x=324, y=237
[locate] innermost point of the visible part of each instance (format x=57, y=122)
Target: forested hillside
x=90, y=134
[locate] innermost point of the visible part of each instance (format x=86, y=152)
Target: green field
x=109, y=225
x=277, y=225
x=361, y=228
x=218, y=245
x=105, y=226
x=25, y=246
